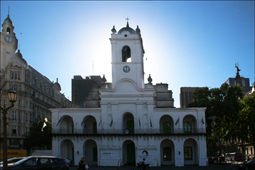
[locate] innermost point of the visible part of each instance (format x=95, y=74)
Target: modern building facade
x=128, y=125
x=186, y=95
x=85, y=92
x=35, y=92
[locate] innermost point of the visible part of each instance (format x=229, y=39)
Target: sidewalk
x=210, y=167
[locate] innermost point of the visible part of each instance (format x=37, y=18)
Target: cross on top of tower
x=127, y=22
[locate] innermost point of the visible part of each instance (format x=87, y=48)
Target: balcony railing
x=127, y=132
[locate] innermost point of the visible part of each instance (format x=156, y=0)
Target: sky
x=186, y=43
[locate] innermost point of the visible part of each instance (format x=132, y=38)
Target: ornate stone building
x=240, y=80
x=35, y=92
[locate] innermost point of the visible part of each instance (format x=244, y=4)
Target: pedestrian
x=86, y=165
x=81, y=164
x=144, y=164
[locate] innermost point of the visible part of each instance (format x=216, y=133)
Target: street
x=210, y=167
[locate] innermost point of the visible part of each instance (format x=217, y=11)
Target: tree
x=247, y=120
x=222, y=111
x=39, y=136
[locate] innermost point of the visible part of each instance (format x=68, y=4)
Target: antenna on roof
x=8, y=10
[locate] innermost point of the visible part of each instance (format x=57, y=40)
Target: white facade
x=128, y=127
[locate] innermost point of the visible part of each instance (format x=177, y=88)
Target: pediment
x=126, y=87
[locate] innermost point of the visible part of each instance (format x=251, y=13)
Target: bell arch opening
x=126, y=54
x=8, y=30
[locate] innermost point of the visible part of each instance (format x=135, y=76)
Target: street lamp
x=12, y=98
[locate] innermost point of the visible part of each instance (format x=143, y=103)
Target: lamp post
x=12, y=98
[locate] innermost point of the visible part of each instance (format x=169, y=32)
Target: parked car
x=69, y=162
x=247, y=165
x=39, y=163
x=234, y=157
x=12, y=160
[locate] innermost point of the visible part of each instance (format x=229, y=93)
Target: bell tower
x=8, y=42
x=127, y=55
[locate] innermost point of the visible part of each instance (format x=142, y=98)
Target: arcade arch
x=167, y=150
x=190, y=149
x=67, y=149
x=189, y=124
x=67, y=125
x=128, y=123
x=128, y=152
x=89, y=125
x=166, y=124
x=90, y=151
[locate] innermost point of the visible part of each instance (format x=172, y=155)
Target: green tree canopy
x=38, y=135
x=247, y=120
x=223, y=107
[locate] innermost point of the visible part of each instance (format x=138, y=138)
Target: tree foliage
x=247, y=120
x=39, y=137
x=222, y=113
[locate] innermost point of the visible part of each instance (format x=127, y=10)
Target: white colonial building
x=128, y=125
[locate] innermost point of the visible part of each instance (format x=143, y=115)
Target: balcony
x=121, y=132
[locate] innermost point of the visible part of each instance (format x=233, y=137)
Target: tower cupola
x=8, y=26
x=8, y=20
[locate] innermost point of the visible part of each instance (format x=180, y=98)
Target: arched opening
x=128, y=153
x=126, y=54
x=166, y=124
x=190, y=152
x=67, y=125
x=89, y=125
x=189, y=124
x=167, y=152
x=90, y=152
x=8, y=30
x=128, y=123
x=67, y=149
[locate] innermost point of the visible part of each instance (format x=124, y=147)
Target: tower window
x=8, y=30
x=126, y=54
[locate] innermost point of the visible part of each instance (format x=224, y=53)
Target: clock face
x=8, y=39
x=126, y=69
